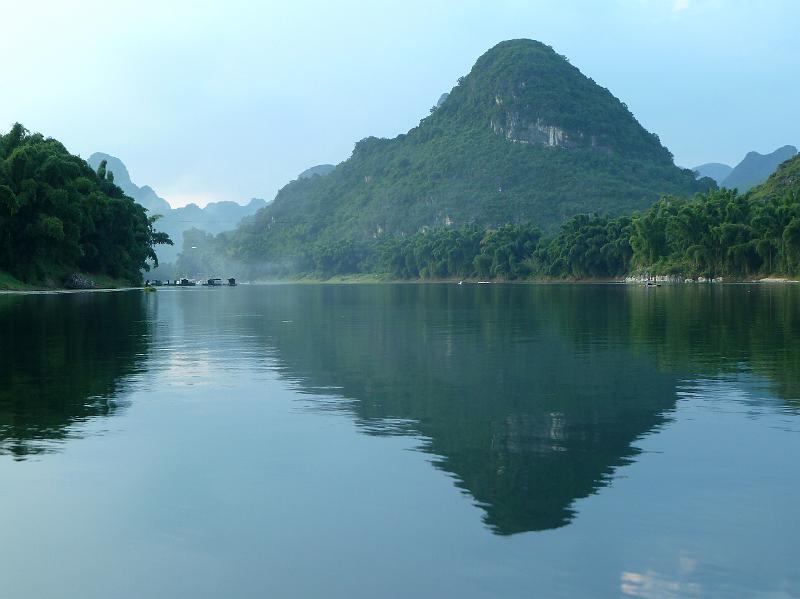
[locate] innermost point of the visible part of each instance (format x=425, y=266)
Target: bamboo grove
x=58, y=216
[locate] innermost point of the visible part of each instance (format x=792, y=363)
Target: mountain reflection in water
x=531, y=397
x=524, y=409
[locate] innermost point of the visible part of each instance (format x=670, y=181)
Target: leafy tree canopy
x=57, y=215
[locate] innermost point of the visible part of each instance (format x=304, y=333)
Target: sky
x=229, y=100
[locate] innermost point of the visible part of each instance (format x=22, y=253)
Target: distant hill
x=755, y=168
x=145, y=196
x=713, y=170
x=214, y=218
x=524, y=137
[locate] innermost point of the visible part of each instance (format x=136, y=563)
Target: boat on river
x=186, y=282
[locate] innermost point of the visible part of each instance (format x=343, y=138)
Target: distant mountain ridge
x=713, y=170
x=525, y=136
x=755, y=168
x=144, y=196
x=214, y=218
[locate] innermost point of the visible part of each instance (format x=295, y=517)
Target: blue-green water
x=401, y=441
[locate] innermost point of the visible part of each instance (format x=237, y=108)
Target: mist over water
x=401, y=440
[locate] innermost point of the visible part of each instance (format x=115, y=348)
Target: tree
x=57, y=215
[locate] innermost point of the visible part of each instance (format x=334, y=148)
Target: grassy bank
x=105, y=282
x=10, y=283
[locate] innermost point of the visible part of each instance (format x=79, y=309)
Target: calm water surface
x=401, y=441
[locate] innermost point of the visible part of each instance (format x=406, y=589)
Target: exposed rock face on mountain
x=530, y=94
x=319, y=170
x=756, y=168
x=713, y=170
x=524, y=137
x=215, y=217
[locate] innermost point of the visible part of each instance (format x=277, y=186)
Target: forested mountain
x=58, y=216
x=525, y=136
x=713, y=170
x=784, y=182
x=213, y=218
x=755, y=168
x=720, y=233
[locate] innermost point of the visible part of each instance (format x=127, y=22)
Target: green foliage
x=57, y=215
x=477, y=161
x=784, y=181
x=7, y=282
x=586, y=247
x=716, y=234
x=719, y=233
x=463, y=253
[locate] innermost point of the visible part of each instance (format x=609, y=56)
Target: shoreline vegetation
x=99, y=282
x=29, y=290
x=8, y=284
x=719, y=236
x=378, y=280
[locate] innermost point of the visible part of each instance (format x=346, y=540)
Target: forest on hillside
x=719, y=233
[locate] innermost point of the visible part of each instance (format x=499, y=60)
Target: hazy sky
x=231, y=100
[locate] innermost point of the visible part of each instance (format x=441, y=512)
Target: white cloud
x=680, y=5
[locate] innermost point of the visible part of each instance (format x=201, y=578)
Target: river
x=401, y=441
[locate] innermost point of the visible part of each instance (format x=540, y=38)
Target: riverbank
x=8, y=283
x=673, y=279
x=361, y=279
